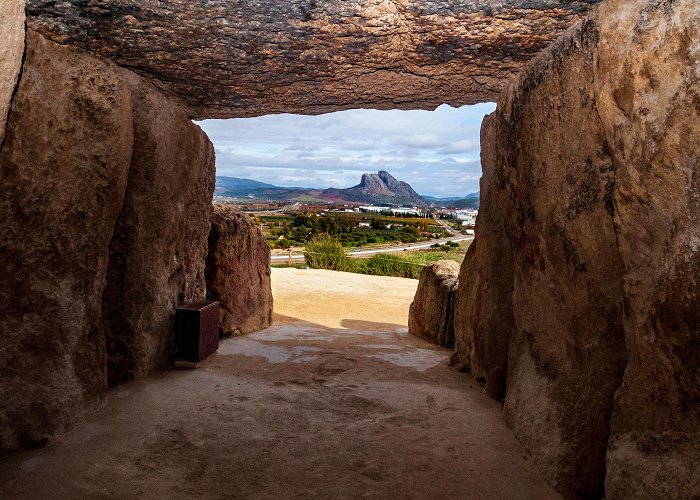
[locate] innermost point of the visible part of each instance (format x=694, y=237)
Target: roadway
x=370, y=252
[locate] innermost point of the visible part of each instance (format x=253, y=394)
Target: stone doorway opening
x=296, y=177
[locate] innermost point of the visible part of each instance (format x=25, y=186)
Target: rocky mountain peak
x=382, y=187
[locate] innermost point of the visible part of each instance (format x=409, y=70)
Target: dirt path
x=335, y=401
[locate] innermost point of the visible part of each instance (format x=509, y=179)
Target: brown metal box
x=196, y=330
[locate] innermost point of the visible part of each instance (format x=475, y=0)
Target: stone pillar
x=647, y=83
x=105, y=198
x=591, y=171
x=159, y=249
x=63, y=173
x=238, y=272
x=430, y=314
x=484, y=306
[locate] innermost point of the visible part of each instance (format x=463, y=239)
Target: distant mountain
x=437, y=199
x=469, y=201
x=380, y=188
x=235, y=186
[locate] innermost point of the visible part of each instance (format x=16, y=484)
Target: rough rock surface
x=159, y=248
x=567, y=351
x=11, y=51
x=377, y=188
x=83, y=222
x=483, y=314
x=593, y=170
x=648, y=97
x=59, y=203
x=238, y=272
x=430, y=315
x=236, y=58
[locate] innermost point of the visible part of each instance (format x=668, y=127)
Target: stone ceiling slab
x=233, y=58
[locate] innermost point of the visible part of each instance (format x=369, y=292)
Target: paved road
x=294, y=207
x=365, y=253
x=447, y=227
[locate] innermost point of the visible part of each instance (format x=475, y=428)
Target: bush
x=389, y=265
x=325, y=252
x=283, y=244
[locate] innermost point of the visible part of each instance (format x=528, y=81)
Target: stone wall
x=159, y=247
x=238, y=272
x=75, y=165
x=591, y=169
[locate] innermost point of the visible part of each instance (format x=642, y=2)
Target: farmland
x=352, y=229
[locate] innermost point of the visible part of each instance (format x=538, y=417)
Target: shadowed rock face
x=235, y=58
x=430, y=315
x=483, y=314
x=591, y=222
x=58, y=208
x=105, y=198
x=159, y=246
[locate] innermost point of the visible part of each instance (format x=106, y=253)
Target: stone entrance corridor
x=335, y=400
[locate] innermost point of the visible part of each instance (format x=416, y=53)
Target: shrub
x=325, y=252
x=389, y=265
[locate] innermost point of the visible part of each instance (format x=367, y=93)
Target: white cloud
x=463, y=146
x=437, y=152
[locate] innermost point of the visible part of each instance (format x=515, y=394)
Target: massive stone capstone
x=229, y=58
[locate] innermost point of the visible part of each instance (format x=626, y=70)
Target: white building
x=395, y=211
x=468, y=216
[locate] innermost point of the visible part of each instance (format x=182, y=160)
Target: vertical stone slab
x=555, y=186
x=158, y=253
x=647, y=79
x=238, y=272
x=430, y=316
x=596, y=179
x=63, y=172
x=11, y=51
x=484, y=306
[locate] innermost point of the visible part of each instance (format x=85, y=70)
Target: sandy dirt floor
x=334, y=401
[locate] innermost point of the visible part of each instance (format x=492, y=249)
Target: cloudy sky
x=437, y=152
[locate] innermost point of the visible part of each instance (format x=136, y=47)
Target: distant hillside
x=437, y=199
x=379, y=188
x=469, y=201
x=235, y=186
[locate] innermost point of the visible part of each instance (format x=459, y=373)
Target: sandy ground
x=334, y=401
